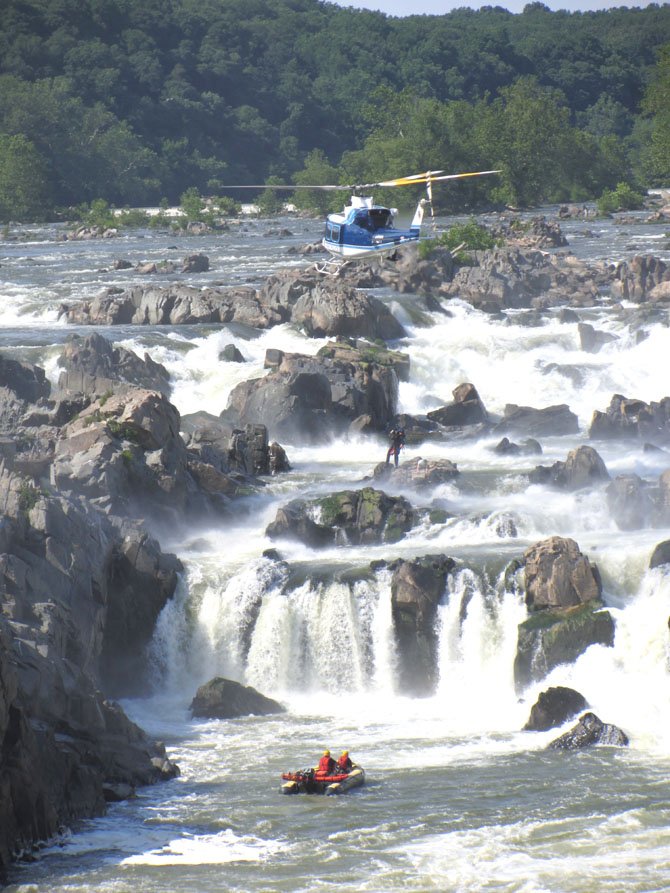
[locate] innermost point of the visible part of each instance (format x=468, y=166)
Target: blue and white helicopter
x=364, y=230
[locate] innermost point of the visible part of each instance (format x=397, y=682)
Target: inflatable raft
x=308, y=781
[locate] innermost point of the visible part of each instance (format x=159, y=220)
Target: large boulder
x=631, y=502
x=554, y=707
x=465, y=409
x=417, y=587
x=547, y=422
x=558, y=636
x=418, y=473
x=582, y=468
x=661, y=555
x=312, y=398
x=558, y=575
x=590, y=730
x=350, y=516
x=627, y=419
x=224, y=699
x=93, y=366
x=636, y=279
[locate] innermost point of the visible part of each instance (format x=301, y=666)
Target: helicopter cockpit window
x=363, y=220
x=333, y=232
x=381, y=218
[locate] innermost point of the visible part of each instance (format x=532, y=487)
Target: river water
x=457, y=798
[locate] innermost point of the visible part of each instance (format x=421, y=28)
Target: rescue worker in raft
x=344, y=763
x=326, y=764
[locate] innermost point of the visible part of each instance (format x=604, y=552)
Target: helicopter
x=363, y=229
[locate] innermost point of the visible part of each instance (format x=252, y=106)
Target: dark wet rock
x=195, y=263
x=547, y=422
x=348, y=517
x=465, y=409
x=631, y=502
x=592, y=340
x=417, y=587
x=122, y=265
x=660, y=555
x=418, y=473
x=231, y=354
x=557, y=636
x=582, y=468
x=627, y=419
x=558, y=575
x=93, y=366
x=590, y=730
x=312, y=398
x=574, y=374
x=26, y=381
x=554, y=707
x=529, y=447
x=224, y=699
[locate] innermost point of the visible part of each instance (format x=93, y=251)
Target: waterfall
x=477, y=628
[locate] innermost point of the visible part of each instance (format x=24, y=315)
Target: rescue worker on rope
x=397, y=438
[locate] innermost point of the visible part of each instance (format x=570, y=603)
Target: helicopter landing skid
x=331, y=266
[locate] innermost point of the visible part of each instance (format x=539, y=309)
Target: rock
x=350, y=516
x=466, y=408
x=360, y=352
x=547, y=422
x=558, y=575
x=418, y=473
x=558, y=636
x=553, y=708
x=231, y=354
x=195, y=263
x=582, y=468
x=93, y=366
x=590, y=730
x=627, y=419
x=122, y=265
x=634, y=280
x=312, y=398
x=630, y=502
x=224, y=699
x=529, y=447
x=660, y=555
x=417, y=587
x=27, y=382
x=591, y=340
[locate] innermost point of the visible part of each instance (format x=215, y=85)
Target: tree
x=24, y=188
x=657, y=105
x=317, y=171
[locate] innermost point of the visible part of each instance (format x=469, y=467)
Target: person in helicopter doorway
x=344, y=763
x=326, y=765
x=397, y=442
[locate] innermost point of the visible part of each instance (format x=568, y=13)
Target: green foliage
x=623, y=198
x=271, y=201
x=468, y=236
x=28, y=497
x=317, y=171
x=192, y=204
x=657, y=106
x=131, y=100
x=24, y=188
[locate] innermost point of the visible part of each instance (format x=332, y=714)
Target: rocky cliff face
x=82, y=578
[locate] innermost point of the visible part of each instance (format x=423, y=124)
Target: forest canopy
x=135, y=101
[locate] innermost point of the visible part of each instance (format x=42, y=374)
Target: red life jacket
x=326, y=765
x=344, y=764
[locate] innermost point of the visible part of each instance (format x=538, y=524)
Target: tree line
x=135, y=101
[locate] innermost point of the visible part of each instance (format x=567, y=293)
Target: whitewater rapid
x=458, y=797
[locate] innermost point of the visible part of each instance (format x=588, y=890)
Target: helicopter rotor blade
x=410, y=180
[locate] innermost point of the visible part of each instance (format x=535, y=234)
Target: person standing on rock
x=397, y=438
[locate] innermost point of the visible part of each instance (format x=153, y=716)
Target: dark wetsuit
x=397, y=442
